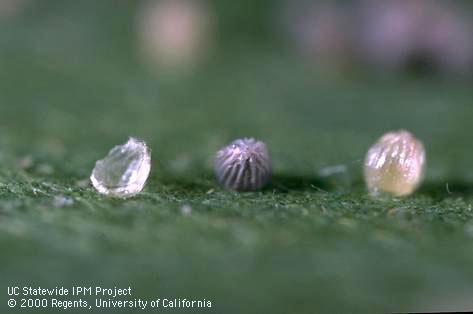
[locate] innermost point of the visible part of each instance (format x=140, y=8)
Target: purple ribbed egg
x=244, y=165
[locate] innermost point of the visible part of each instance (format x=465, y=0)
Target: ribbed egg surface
x=395, y=164
x=244, y=165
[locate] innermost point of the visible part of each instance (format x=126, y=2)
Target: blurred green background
x=73, y=84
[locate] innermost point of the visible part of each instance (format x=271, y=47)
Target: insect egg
x=124, y=171
x=395, y=164
x=244, y=165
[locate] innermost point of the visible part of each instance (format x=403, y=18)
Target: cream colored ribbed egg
x=395, y=164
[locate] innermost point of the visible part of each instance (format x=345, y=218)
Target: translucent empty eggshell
x=124, y=171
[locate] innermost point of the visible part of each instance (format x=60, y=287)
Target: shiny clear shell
x=124, y=171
